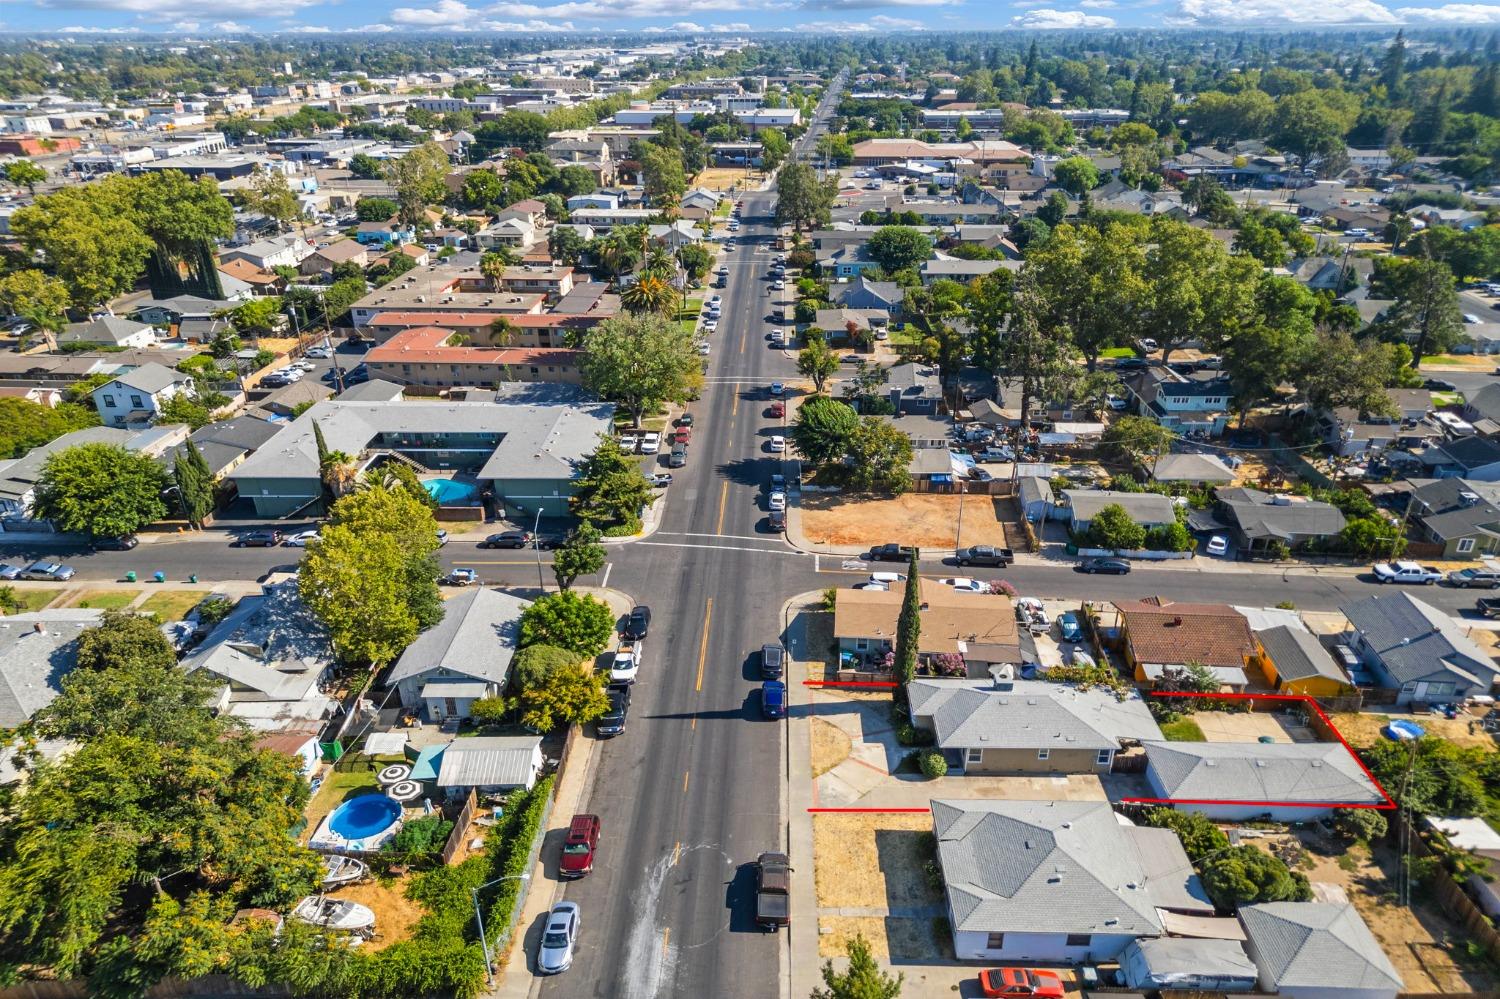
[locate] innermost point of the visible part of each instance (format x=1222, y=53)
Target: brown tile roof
x=948, y=617
x=1163, y=631
x=344, y=249
x=244, y=270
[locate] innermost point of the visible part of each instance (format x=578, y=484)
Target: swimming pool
x=360, y=824
x=452, y=492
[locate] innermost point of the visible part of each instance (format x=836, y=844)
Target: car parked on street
x=1406, y=572
x=300, y=540
x=258, y=539
x=9, y=572
x=579, y=847
x=559, y=937
x=777, y=444
x=773, y=699
x=772, y=661
x=51, y=572
x=891, y=552
x=776, y=501
x=612, y=722
x=777, y=520
x=1474, y=578
x=637, y=623
x=119, y=543
x=507, y=539
x=984, y=555
x=1105, y=566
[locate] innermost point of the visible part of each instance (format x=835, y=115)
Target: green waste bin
x=130, y=577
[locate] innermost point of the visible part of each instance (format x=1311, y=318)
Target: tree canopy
x=641, y=361
x=101, y=489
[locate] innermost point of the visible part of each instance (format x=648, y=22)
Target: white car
x=777, y=501
x=965, y=585
x=301, y=539
x=704, y=349
x=711, y=326
x=887, y=578
x=1218, y=545
x=867, y=585
x=1115, y=402
x=778, y=285
x=319, y=352
x=651, y=443
x=559, y=936
x=778, y=444
x=303, y=365
x=1406, y=572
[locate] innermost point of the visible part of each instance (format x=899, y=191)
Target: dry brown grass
x=929, y=520
x=719, y=178
x=871, y=860
x=1364, y=729
x=830, y=747
x=395, y=914
x=890, y=937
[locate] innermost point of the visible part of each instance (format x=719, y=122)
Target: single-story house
x=862, y=293
x=1295, y=662
x=1041, y=881
x=300, y=743
x=380, y=233
x=261, y=281
x=1417, y=649
x=1240, y=781
x=137, y=396
x=487, y=765
x=1197, y=468
x=1317, y=950
x=698, y=204
x=110, y=331
x=1146, y=509
x=37, y=650
x=1034, y=494
x=1029, y=726
x=914, y=388
x=325, y=259
x=19, y=476
x=1161, y=634
x=980, y=627
x=462, y=658
x=1259, y=520
x=962, y=271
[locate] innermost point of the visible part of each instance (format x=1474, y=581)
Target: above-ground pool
x=452, y=492
x=360, y=824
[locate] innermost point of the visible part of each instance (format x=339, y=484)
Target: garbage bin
x=130, y=576
x=160, y=577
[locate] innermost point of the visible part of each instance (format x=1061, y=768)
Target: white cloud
x=615, y=10
x=1048, y=20
x=831, y=28
x=1097, y=4
x=526, y=25
x=167, y=10
x=231, y=27
x=866, y=4
x=185, y=26
x=77, y=29
x=308, y=29
x=896, y=23
x=369, y=29
x=731, y=26
x=1468, y=14
x=1262, y=12
x=687, y=27
x=444, y=13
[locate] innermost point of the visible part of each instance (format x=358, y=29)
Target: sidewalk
x=513, y=976
x=802, y=937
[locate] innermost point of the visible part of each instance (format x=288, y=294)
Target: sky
x=821, y=17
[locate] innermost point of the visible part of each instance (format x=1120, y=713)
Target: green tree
x=569, y=695
x=818, y=362
x=862, y=980
x=566, y=244
x=1053, y=210
x=774, y=149
x=824, y=430
x=1113, y=528
x=1090, y=279
x=482, y=189
x=1077, y=175
x=609, y=488
x=662, y=176
x=88, y=236
x=418, y=180
x=183, y=408
x=25, y=424
x=25, y=173
x=530, y=666
x=195, y=484
x=257, y=317
x=1242, y=875
x=879, y=455
x=40, y=300
x=577, y=622
x=1362, y=824
x=365, y=167
x=1136, y=438
x=1432, y=776
x=650, y=294
x=376, y=209
x=122, y=639
x=1425, y=312
x=802, y=199
x=573, y=180
x=695, y=259
x=269, y=194
x=355, y=583
x=1041, y=361
x=580, y=555
x=909, y=624
x=641, y=361
x=897, y=247
x=101, y=489
x=1194, y=288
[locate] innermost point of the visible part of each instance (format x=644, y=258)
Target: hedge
x=510, y=853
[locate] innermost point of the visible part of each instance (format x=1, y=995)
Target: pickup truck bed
x=773, y=887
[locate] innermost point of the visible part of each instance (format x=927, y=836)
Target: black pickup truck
x=773, y=891
x=984, y=555
x=1488, y=606
x=891, y=553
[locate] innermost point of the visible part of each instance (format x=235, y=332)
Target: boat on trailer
x=335, y=914
x=339, y=871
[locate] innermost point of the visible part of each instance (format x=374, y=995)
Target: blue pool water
x=451, y=492
x=365, y=816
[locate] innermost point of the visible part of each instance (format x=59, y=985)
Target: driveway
x=1250, y=726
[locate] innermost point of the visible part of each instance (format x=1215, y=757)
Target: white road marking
x=721, y=548
x=604, y=583
x=695, y=534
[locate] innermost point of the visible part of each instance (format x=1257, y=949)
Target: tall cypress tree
x=195, y=484
x=909, y=624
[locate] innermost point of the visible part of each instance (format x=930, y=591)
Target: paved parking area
x=1250, y=726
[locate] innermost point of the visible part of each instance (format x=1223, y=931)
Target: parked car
x=1107, y=566
x=1439, y=385
x=318, y=352
x=52, y=572
x=258, y=539
x=1001, y=453
x=507, y=539
x=1020, y=983
x=626, y=664
x=661, y=480
x=442, y=537
x=579, y=846
x=777, y=444
x=1488, y=606
x=1406, y=572
x=559, y=937
x=119, y=543
x=777, y=520
x=685, y=420
x=772, y=661
x=891, y=553
x=773, y=699
x=460, y=577
x=963, y=584
x=1470, y=578
x=612, y=722
x=650, y=443
x=637, y=623
x=682, y=435
x=773, y=891
x=777, y=388
x=301, y=539
x=9, y=572
x=984, y=555
x=1217, y=545
x=777, y=410
x=678, y=457
x=1068, y=627
x=776, y=501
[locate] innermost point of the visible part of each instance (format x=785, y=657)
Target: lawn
x=105, y=599
x=172, y=605
x=722, y=210
x=1447, y=399
x=1114, y=353
x=29, y=600
x=1182, y=730
x=337, y=788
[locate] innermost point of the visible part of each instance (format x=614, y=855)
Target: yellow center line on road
x=666, y=936
x=685, y=781
x=723, y=498
x=736, y=407
x=708, y=616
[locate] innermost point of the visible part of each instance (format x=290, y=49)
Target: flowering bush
x=949, y=664
x=1003, y=588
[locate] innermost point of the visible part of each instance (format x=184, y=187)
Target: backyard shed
x=1198, y=965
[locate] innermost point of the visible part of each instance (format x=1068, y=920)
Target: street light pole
x=536, y=544
x=489, y=964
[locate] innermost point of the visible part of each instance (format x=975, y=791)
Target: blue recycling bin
x=160, y=577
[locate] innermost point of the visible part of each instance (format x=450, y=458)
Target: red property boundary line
x=879, y=684
x=1386, y=805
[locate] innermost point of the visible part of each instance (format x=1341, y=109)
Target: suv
x=579, y=846
x=1466, y=578
x=772, y=661
x=259, y=539
x=678, y=457
x=612, y=722
x=507, y=539
x=637, y=624
x=1406, y=572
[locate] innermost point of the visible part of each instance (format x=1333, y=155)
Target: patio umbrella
x=394, y=774
x=404, y=791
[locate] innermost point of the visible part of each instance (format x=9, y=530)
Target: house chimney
x=41, y=628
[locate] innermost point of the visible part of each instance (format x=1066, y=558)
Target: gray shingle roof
x=476, y=637
x=1414, y=639
x=1144, y=508
x=1031, y=715
x=1472, y=452
x=1318, y=772
x=18, y=477
x=36, y=651
x=1315, y=944
x=105, y=329
x=1190, y=468
x=1298, y=655
x=151, y=378
x=1259, y=516
x=1041, y=867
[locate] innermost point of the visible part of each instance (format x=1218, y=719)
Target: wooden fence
x=1450, y=896
x=460, y=828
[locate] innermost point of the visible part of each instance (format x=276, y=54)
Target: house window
x=1465, y=544
x=1042, y=754
x=862, y=644
x=994, y=941
x=1079, y=939
x=109, y=402
x=1103, y=757
x=137, y=403
x=974, y=756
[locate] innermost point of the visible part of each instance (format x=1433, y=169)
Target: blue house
x=847, y=261
x=380, y=233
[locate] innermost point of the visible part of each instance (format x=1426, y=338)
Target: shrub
x=530, y=666
x=490, y=710
x=573, y=621
x=933, y=764
x=909, y=735
x=509, y=846
x=829, y=599
x=421, y=838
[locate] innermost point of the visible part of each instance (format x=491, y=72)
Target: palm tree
x=493, y=264
x=650, y=294
x=339, y=472
x=502, y=331
x=618, y=257
x=659, y=261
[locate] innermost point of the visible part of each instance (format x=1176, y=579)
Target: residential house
x=1462, y=516
x=1146, y=509
x=517, y=233
x=979, y=627
x=1160, y=634
x=1034, y=494
x=137, y=396
x=1348, y=433
x=225, y=443
x=875, y=296
x=19, y=476
x=1336, y=275
x=37, y=651
x=1242, y=781
x=109, y=331
x=1317, y=950
x=1029, y=726
x=266, y=254
x=1186, y=405
x=272, y=658
x=551, y=282
x=261, y=282
x=914, y=388
x=846, y=261
x=464, y=657
x=1057, y=882
x=674, y=235
x=490, y=766
x=1419, y=651
x=1478, y=338
x=698, y=204
x=526, y=210
x=422, y=356
x=298, y=742
x=195, y=318
x=598, y=199
x=380, y=233
x=1483, y=404
x=835, y=322
x=962, y=271
x=1202, y=469
x=1475, y=458
x=1295, y=662
x=1259, y=521
x=1176, y=963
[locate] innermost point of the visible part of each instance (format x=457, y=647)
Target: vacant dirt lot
x=830, y=747
x=872, y=860
x=1363, y=729
x=896, y=939
x=719, y=178
x=927, y=520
